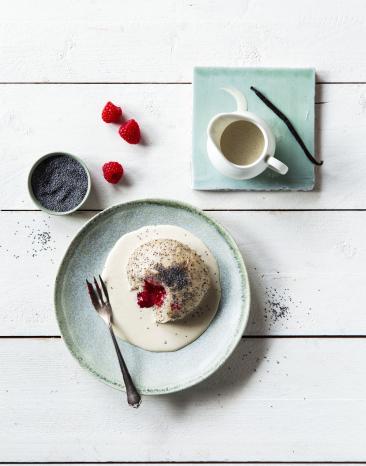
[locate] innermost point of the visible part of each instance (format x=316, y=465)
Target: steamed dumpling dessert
x=169, y=277
x=158, y=284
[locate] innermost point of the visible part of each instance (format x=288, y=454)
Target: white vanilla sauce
x=137, y=325
x=242, y=142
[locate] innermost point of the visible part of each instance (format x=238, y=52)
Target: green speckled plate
x=86, y=335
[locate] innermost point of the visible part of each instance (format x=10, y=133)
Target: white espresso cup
x=262, y=159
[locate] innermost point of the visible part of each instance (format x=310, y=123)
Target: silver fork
x=100, y=301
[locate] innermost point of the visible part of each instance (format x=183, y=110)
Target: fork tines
x=97, y=297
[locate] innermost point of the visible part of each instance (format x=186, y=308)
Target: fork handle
x=133, y=396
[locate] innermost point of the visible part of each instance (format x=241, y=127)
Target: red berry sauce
x=153, y=294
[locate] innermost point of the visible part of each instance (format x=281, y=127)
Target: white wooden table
x=295, y=389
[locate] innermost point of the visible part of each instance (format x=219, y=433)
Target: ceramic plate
x=86, y=335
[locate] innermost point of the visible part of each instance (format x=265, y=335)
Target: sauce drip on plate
x=137, y=324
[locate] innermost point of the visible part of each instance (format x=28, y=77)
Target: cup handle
x=277, y=166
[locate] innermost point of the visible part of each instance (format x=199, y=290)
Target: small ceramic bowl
x=36, y=201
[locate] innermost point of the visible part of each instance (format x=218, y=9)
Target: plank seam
x=159, y=83
x=317, y=337
x=216, y=210
x=184, y=462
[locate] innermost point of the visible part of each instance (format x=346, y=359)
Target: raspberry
x=153, y=294
x=112, y=172
x=130, y=132
x=111, y=113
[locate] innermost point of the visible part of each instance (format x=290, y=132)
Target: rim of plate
x=245, y=304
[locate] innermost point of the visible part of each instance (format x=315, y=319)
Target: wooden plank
x=306, y=270
x=162, y=41
x=275, y=400
x=31, y=247
x=39, y=119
